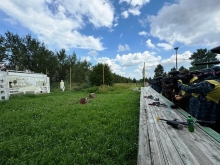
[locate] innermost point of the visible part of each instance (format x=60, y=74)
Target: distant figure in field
x=62, y=87
x=84, y=100
x=92, y=95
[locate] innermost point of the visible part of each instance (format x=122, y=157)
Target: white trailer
x=4, y=86
x=16, y=82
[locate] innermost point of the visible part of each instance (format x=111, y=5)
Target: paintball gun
x=179, y=125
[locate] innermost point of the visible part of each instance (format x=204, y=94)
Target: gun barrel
x=205, y=63
x=205, y=122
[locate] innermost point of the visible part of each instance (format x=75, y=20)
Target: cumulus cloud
x=190, y=22
x=166, y=46
x=125, y=14
x=93, y=53
x=135, y=2
x=149, y=44
x=122, y=48
x=137, y=58
x=131, y=65
x=134, y=7
x=115, y=68
x=59, y=22
x=182, y=60
x=143, y=33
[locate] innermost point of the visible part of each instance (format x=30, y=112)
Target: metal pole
x=176, y=57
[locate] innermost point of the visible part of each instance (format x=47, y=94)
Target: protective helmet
x=206, y=74
x=217, y=70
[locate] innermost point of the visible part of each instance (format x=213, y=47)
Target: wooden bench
x=161, y=144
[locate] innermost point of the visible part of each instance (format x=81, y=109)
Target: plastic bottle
x=190, y=124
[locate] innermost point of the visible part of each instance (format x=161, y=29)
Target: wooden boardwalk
x=161, y=144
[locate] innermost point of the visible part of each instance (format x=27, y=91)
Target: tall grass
x=56, y=129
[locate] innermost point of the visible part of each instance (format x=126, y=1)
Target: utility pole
x=176, y=48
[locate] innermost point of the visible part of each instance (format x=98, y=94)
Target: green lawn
x=56, y=129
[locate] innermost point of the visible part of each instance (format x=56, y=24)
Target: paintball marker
x=205, y=63
x=216, y=50
x=179, y=125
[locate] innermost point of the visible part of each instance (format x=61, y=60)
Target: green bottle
x=190, y=124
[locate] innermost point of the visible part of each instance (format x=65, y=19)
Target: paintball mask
x=206, y=74
x=173, y=76
x=217, y=70
x=185, y=76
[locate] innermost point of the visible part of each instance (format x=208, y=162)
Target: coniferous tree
x=158, y=71
x=202, y=55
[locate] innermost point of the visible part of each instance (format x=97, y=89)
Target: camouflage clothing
x=207, y=110
x=194, y=105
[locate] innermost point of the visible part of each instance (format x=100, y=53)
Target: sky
x=125, y=34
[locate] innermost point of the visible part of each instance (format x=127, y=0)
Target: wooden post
x=103, y=77
x=70, y=78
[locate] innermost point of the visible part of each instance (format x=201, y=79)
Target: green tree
x=134, y=80
x=172, y=69
x=159, y=71
x=182, y=68
x=202, y=55
x=3, y=56
x=96, y=75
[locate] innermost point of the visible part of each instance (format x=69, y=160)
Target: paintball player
x=209, y=94
x=191, y=99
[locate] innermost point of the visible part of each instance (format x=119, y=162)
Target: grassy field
x=56, y=129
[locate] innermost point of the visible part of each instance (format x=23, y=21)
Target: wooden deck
x=161, y=144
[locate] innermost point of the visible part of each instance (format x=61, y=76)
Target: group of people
x=198, y=93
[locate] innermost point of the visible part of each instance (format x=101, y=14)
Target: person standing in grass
x=62, y=87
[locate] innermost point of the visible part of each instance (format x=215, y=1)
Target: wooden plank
x=144, y=155
x=168, y=145
x=179, y=148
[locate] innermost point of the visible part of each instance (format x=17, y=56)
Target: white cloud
x=137, y=58
x=93, y=53
x=57, y=22
x=166, y=46
x=143, y=21
x=134, y=11
x=135, y=2
x=115, y=68
x=86, y=58
x=131, y=65
x=143, y=33
x=149, y=44
x=125, y=14
x=194, y=22
x=122, y=48
x=182, y=60
x=134, y=7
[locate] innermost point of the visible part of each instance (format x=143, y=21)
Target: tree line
x=27, y=53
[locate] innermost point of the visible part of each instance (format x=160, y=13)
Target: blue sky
x=122, y=33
